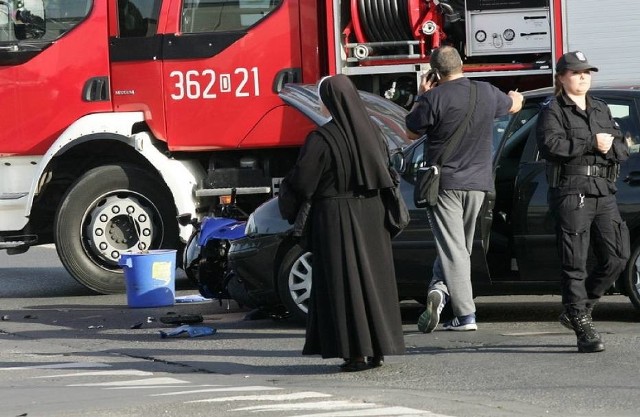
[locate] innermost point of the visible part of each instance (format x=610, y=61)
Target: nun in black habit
x=354, y=311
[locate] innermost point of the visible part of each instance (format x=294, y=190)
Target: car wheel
x=632, y=276
x=110, y=210
x=294, y=282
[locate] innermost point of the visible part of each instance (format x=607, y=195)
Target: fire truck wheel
x=110, y=210
x=294, y=282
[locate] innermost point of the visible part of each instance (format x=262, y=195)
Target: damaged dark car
x=514, y=248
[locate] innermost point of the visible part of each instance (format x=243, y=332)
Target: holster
x=553, y=174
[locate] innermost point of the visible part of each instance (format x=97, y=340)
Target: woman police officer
x=583, y=148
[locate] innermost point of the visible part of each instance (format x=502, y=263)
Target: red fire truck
x=121, y=114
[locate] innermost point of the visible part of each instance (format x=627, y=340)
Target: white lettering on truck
x=194, y=85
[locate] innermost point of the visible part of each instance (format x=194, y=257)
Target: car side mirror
x=30, y=20
x=185, y=219
x=397, y=161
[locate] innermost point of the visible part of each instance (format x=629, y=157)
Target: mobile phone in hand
x=433, y=76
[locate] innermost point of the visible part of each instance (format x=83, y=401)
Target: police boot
x=588, y=338
x=565, y=317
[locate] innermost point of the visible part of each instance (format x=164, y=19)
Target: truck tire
x=631, y=276
x=110, y=210
x=294, y=282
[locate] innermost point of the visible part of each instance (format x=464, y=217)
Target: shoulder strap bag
x=396, y=211
x=427, y=187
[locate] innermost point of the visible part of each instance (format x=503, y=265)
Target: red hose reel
x=383, y=28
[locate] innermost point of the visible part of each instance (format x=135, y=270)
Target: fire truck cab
x=121, y=114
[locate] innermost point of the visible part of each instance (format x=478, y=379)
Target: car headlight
x=250, y=228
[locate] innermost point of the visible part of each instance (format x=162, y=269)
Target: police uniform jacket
x=566, y=138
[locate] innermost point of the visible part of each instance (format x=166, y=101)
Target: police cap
x=574, y=61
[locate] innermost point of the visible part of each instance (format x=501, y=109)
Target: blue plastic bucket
x=150, y=277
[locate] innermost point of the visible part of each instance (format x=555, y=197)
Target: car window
x=518, y=139
x=623, y=112
x=521, y=118
x=530, y=151
x=520, y=142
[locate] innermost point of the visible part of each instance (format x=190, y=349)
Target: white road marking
x=318, y=405
x=157, y=386
x=59, y=366
x=537, y=333
x=137, y=382
x=123, y=372
x=385, y=412
x=337, y=408
x=224, y=389
x=283, y=397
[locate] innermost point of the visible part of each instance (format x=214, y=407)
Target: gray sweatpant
x=453, y=222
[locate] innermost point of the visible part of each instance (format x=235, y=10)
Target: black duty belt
x=602, y=171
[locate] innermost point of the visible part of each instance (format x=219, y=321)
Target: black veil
x=353, y=138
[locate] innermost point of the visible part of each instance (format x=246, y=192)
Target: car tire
x=294, y=282
x=110, y=210
x=631, y=276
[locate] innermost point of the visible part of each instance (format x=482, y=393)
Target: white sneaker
x=430, y=317
x=462, y=323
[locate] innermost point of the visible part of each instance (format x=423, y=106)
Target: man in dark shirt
x=583, y=146
x=466, y=177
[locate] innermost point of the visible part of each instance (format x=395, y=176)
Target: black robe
x=354, y=307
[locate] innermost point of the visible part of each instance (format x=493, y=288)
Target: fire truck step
x=21, y=241
x=11, y=244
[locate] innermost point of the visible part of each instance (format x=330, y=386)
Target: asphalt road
x=65, y=352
